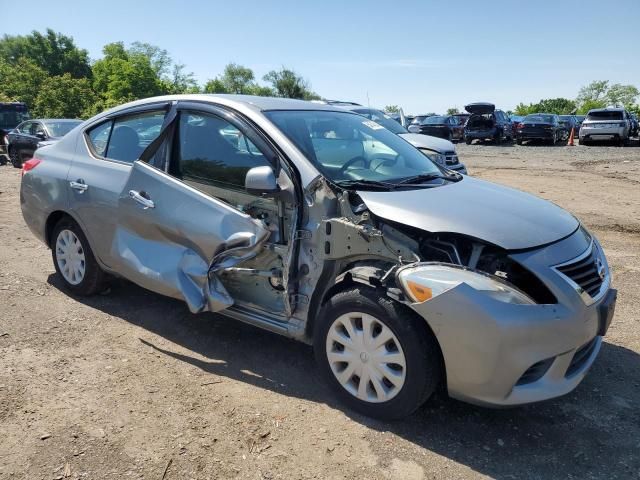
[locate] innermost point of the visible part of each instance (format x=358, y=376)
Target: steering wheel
x=351, y=161
x=381, y=161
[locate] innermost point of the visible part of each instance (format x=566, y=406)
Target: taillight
x=30, y=165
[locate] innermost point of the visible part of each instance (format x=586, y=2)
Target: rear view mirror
x=41, y=135
x=261, y=181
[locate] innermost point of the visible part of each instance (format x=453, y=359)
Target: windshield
x=605, y=115
x=59, y=129
x=345, y=146
x=538, y=119
x=385, y=120
x=12, y=115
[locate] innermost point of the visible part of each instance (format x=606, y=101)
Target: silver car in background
x=437, y=149
x=321, y=225
x=606, y=124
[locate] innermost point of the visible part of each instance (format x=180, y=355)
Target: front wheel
x=378, y=356
x=74, y=261
x=467, y=141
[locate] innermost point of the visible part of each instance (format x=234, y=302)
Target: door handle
x=138, y=197
x=79, y=185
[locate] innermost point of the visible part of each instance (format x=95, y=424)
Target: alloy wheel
x=366, y=357
x=70, y=257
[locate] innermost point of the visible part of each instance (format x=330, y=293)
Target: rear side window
x=125, y=138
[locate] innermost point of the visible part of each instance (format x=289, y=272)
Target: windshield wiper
x=425, y=177
x=365, y=183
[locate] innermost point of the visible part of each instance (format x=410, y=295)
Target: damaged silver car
x=321, y=225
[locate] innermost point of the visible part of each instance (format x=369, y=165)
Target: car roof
x=239, y=102
x=608, y=109
x=60, y=120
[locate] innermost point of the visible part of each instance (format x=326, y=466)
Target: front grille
x=535, y=372
x=581, y=357
x=587, y=272
x=451, y=158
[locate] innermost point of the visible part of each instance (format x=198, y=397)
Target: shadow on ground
x=593, y=432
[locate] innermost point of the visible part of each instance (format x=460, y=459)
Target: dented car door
x=172, y=239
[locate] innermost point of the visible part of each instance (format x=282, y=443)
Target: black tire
x=497, y=139
x=467, y=141
x=422, y=353
x=518, y=141
x=94, y=279
x=14, y=158
x=3, y=160
x=552, y=141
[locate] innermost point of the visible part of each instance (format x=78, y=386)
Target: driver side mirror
x=261, y=181
x=41, y=135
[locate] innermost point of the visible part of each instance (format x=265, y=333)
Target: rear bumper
x=480, y=134
x=534, y=135
x=602, y=133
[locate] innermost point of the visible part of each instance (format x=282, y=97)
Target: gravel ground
x=131, y=385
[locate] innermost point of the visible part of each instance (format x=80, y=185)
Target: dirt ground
x=131, y=385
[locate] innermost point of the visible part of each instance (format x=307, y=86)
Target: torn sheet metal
x=176, y=247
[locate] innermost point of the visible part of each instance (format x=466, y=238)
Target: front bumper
x=488, y=345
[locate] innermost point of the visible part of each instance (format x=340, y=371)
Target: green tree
x=22, y=80
x=622, y=95
x=53, y=52
x=64, y=97
x=595, y=92
x=171, y=76
x=236, y=79
x=522, y=109
x=560, y=106
x=452, y=111
x=215, y=85
x=121, y=76
x=287, y=83
x=392, y=109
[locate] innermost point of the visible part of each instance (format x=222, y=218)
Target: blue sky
x=422, y=55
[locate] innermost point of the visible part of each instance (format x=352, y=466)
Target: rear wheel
x=519, y=141
x=377, y=355
x=467, y=141
x=14, y=158
x=74, y=261
x=497, y=139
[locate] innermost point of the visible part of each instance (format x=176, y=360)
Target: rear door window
x=125, y=138
x=605, y=115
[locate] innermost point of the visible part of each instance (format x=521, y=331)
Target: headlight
x=434, y=157
x=424, y=282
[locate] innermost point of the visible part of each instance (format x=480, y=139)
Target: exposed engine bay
x=362, y=234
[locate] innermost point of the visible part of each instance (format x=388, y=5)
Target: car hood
x=480, y=108
x=506, y=217
x=419, y=140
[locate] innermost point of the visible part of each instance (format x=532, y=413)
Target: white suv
x=606, y=124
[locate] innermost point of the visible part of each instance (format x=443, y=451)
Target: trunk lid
x=480, y=108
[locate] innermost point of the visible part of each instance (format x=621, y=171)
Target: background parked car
x=567, y=122
x=11, y=115
x=606, y=124
x=443, y=126
x=487, y=123
x=462, y=118
x=539, y=126
x=634, y=124
x=579, y=120
x=415, y=122
x=440, y=151
x=27, y=137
